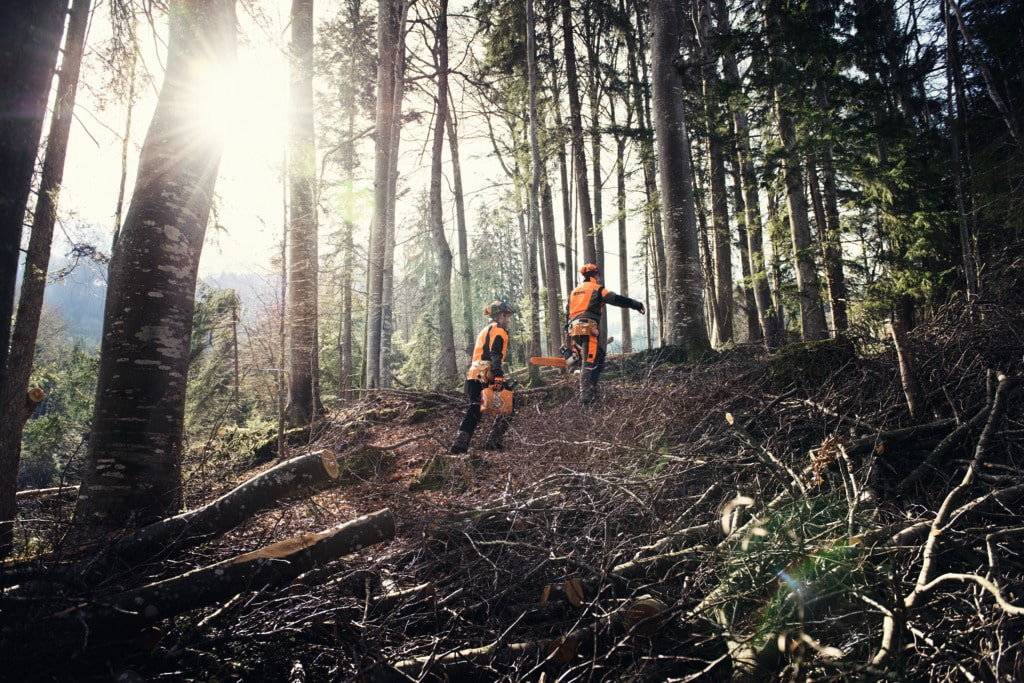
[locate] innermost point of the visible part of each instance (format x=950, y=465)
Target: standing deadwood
x=132, y=470
x=30, y=34
x=14, y=386
x=990, y=83
x=686, y=326
x=448, y=370
x=301, y=301
x=826, y=211
x=624, y=252
x=908, y=372
x=579, y=156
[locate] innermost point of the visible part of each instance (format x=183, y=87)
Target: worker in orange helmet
x=585, y=307
x=486, y=369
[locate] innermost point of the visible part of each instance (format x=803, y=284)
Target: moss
x=810, y=363
x=443, y=471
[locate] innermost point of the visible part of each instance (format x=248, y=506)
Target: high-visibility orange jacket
x=491, y=346
x=588, y=300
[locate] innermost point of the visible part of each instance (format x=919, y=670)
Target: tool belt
x=481, y=371
x=582, y=327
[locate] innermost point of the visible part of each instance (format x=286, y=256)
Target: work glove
x=639, y=307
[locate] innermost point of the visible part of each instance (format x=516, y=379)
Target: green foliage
x=54, y=439
x=786, y=569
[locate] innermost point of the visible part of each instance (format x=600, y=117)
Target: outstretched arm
x=613, y=299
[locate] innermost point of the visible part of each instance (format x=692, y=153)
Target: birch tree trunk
x=132, y=470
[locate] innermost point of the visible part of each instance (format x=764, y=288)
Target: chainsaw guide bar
x=555, y=362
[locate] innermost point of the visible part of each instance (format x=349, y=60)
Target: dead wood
x=292, y=478
x=33, y=397
x=268, y=567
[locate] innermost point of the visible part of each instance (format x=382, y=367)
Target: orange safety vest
x=587, y=301
x=481, y=369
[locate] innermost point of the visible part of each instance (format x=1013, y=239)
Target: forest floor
x=744, y=516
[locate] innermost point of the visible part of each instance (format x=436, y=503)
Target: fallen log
x=129, y=619
x=292, y=478
x=33, y=398
x=270, y=566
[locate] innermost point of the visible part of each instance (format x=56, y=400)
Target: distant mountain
x=79, y=295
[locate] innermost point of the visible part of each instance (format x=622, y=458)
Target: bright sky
x=249, y=107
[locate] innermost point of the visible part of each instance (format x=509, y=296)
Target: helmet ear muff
x=496, y=308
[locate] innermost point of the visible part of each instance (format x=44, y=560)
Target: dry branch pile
x=738, y=518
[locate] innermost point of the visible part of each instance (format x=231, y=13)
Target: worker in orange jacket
x=584, y=310
x=486, y=369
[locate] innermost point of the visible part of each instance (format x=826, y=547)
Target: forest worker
x=486, y=369
x=586, y=304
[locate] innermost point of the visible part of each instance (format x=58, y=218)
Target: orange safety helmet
x=589, y=269
x=496, y=308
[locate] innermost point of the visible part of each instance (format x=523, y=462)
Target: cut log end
x=642, y=616
x=330, y=462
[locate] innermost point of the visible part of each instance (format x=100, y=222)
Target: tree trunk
x=552, y=282
x=14, y=386
x=721, y=244
x=389, y=29
x=301, y=300
x=447, y=368
x=685, y=289
x=387, y=291
x=812, y=314
x=579, y=157
x=460, y=226
x=132, y=470
x=32, y=35
x=624, y=251
x=534, y=194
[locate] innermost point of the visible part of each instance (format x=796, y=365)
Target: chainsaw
x=569, y=358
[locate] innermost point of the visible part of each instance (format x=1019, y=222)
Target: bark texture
x=132, y=471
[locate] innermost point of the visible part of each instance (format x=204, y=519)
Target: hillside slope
x=737, y=517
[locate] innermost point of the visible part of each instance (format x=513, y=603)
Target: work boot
x=461, y=443
x=497, y=434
